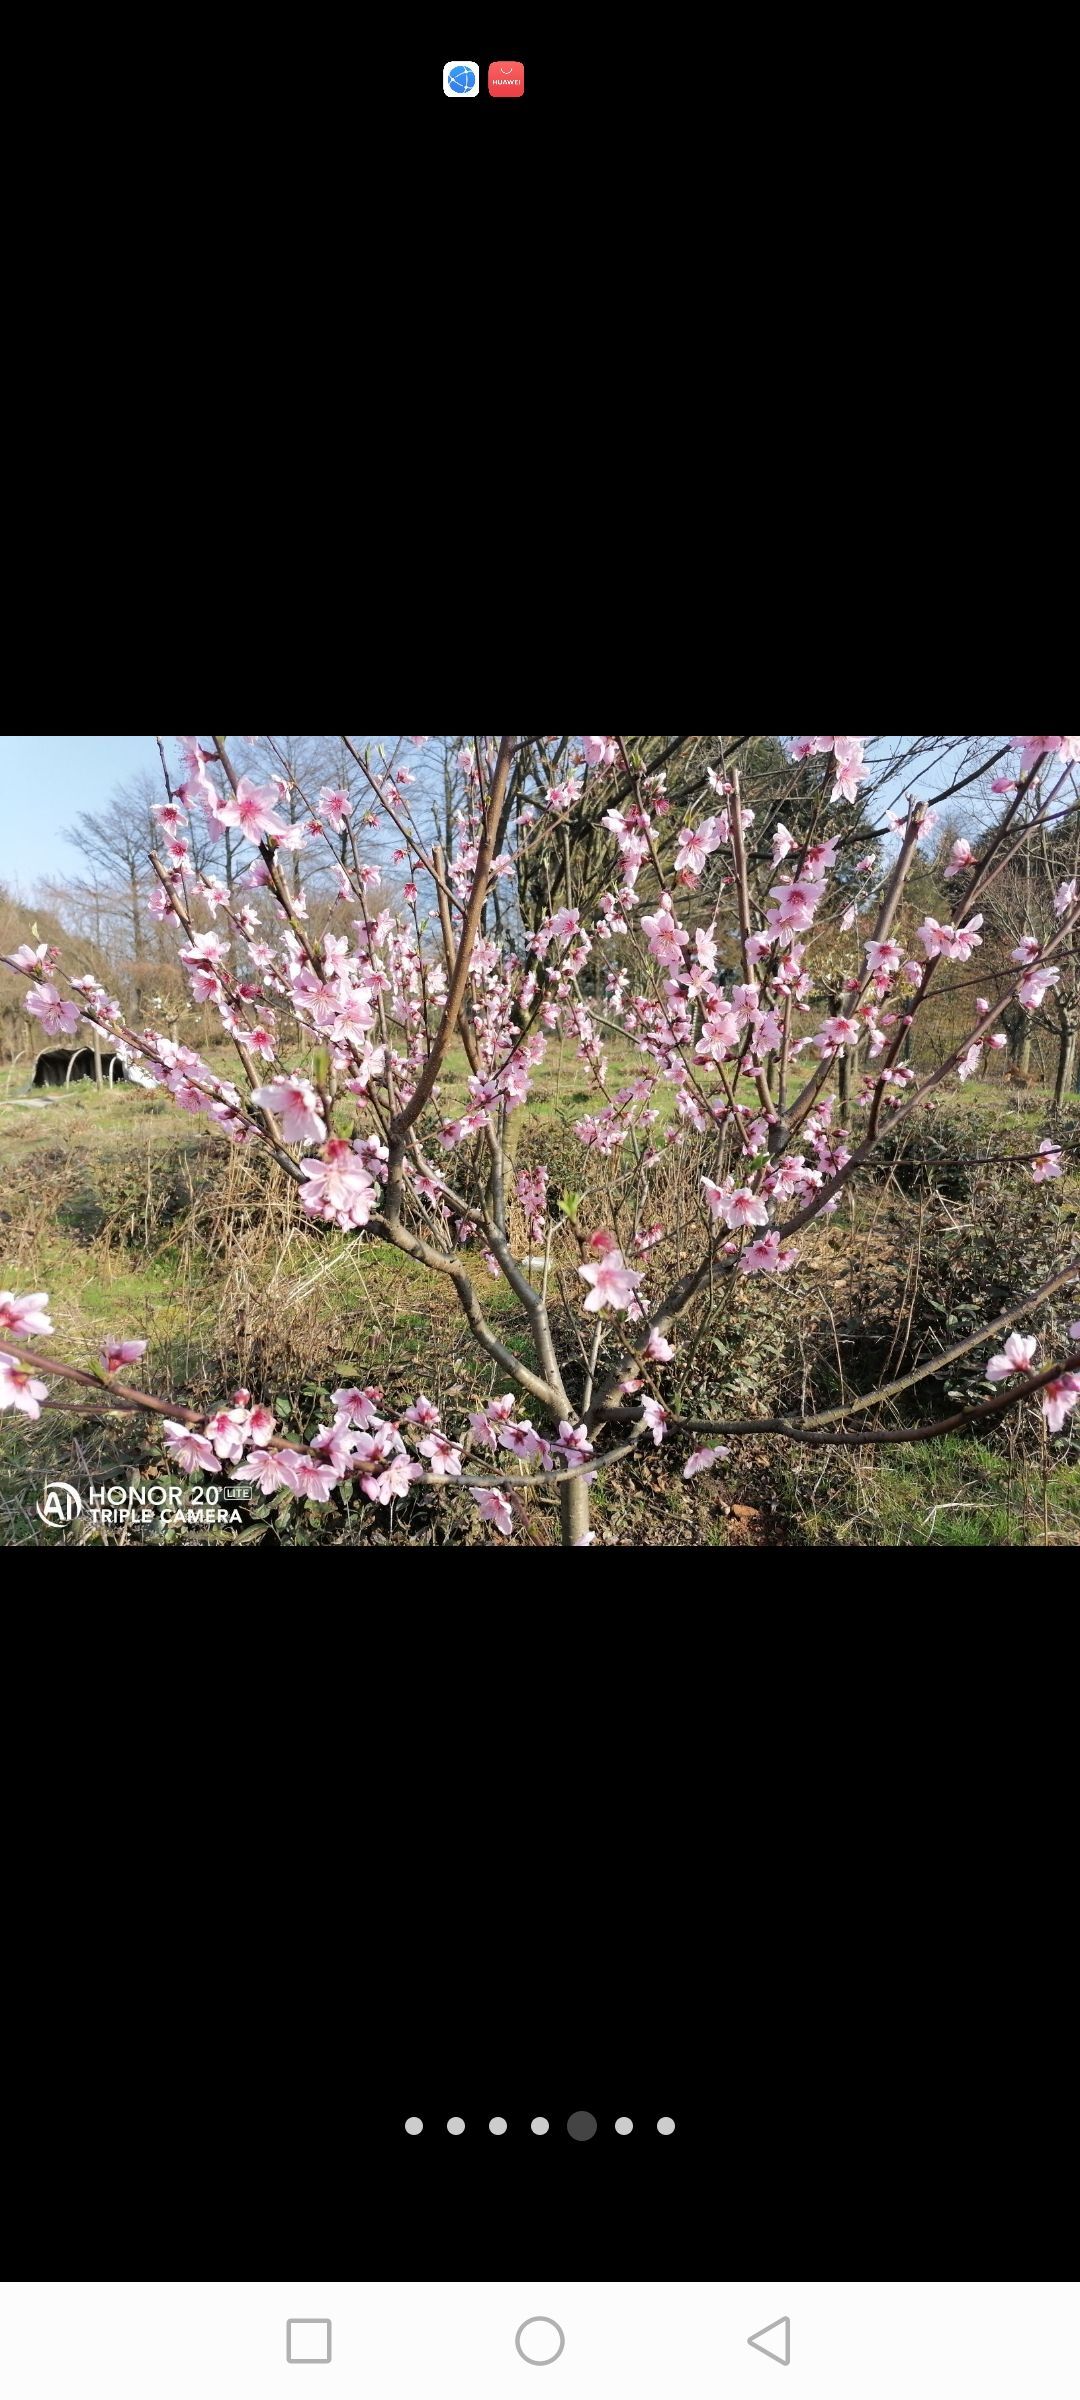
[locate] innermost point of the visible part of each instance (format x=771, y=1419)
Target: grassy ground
x=140, y=1223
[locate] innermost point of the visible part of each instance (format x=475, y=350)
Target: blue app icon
x=461, y=78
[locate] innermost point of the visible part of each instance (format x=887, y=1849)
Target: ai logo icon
x=62, y=1503
x=461, y=79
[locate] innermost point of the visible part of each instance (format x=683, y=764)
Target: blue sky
x=45, y=780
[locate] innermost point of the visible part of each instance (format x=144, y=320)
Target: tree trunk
x=1066, y=1065
x=845, y=1087
x=574, y=1509
x=1022, y=1052
x=136, y=937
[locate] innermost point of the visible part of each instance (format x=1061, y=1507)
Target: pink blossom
x=494, y=1508
x=225, y=1431
x=809, y=745
x=599, y=749
x=1015, y=1359
x=521, y=1440
x=444, y=1455
x=796, y=903
x=1047, y=1167
x=30, y=961
x=574, y=1440
x=696, y=845
x=961, y=856
x=1059, y=1399
x=24, y=1313
x=270, y=1469
x=742, y=1208
x=966, y=939
x=719, y=1034
x=1034, y=747
x=819, y=862
x=356, y=1407
x=254, y=809
x=656, y=1418
x=19, y=1388
x=296, y=1102
x=700, y=1460
x=369, y=1449
x=766, y=1257
x=121, y=1354
x=883, y=958
x=666, y=938
x=658, y=1349
x=394, y=1481
x=613, y=1282
x=334, y=808
x=839, y=1033
x=312, y=1481
x=191, y=1450
x=1064, y=897
x=54, y=1015
x=341, y=1446
x=259, y=1039
x=1033, y=990
x=423, y=1412
x=337, y=1188
x=850, y=768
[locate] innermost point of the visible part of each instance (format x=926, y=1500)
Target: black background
x=512, y=1873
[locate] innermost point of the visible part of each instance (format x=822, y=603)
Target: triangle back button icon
x=780, y=2347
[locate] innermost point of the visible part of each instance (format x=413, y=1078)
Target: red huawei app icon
x=506, y=79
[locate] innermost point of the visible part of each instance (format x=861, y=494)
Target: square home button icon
x=307, y=2341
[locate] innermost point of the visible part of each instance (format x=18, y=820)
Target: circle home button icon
x=506, y=79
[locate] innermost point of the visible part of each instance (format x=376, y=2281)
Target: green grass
x=949, y=1494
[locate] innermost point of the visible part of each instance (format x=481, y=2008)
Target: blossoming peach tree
x=341, y=1039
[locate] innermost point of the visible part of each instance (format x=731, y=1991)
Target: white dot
x=665, y=2125
x=539, y=2124
x=414, y=2125
x=497, y=2125
x=624, y=2125
x=455, y=2125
